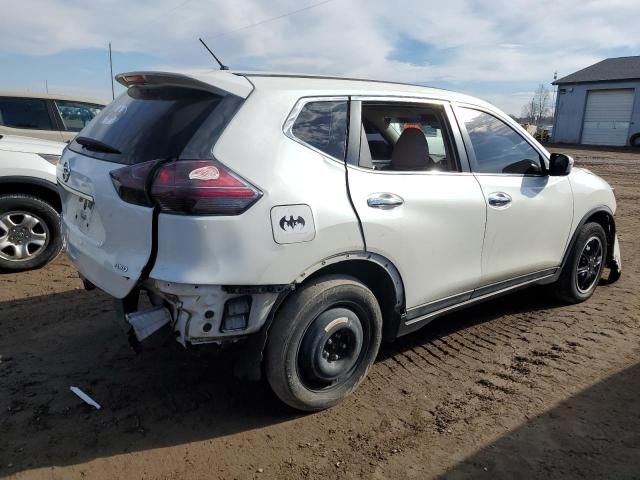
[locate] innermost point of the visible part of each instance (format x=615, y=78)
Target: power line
x=271, y=19
x=163, y=14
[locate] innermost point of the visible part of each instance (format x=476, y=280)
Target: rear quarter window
x=323, y=125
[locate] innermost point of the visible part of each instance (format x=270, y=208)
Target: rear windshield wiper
x=96, y=145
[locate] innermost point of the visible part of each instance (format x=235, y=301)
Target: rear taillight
x=201, y=187
x=130, y=182
x=187, y=187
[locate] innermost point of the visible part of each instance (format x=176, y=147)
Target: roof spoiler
x=219, y=82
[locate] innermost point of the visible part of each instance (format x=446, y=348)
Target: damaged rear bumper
x=200, y=313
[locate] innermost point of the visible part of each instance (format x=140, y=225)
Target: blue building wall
x=570, y=106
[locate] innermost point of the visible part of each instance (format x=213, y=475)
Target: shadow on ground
x=572, y=440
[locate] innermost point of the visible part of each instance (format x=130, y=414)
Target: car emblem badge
x=66, y=171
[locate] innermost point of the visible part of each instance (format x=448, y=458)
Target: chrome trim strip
x=410, y=172
x=440, y=100
x=76, y=192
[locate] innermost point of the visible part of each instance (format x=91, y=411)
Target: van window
x=323, y=125
x=28, y=113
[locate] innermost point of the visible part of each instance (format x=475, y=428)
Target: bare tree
x=539, y=107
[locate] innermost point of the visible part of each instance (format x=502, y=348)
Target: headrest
x=411, y=151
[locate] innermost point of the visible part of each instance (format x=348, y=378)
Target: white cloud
x=500, y=41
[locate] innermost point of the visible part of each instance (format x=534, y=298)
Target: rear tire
x=322, y=342
x=581, y=274
x=29, y=232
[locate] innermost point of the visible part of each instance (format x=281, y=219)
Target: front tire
x=322, y=342
x=29, y=232
x=581, y=274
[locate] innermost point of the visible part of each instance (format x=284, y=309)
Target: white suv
x=313, y=217
x=29, y=202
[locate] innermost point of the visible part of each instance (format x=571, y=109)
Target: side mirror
x=560, y=164
x=524, y=167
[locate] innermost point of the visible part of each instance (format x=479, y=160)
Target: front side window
x=323, y=125
x=76, y=115
x=28, y=113
x=497, y=147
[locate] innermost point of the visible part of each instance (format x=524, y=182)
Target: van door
x=418, y=204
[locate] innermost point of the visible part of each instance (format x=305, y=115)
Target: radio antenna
x=222, y=67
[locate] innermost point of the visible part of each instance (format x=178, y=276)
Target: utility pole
x=553, y=112
x=555, y=93
x=113, y=92
x=46, y=86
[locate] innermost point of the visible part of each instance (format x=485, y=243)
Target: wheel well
x=46, y=194
x=634, y=137
x=378, y=280
x=606, y=221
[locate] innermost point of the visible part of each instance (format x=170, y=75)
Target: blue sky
x=499, y=50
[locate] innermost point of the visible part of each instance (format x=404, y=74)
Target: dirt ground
x=521, y=387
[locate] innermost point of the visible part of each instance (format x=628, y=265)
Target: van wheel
x=322, y=342
x=29, y=232
x=581, y=273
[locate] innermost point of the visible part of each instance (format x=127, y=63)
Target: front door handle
x=499, y=200
x=384, y=201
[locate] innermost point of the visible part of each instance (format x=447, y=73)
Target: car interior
x=405, y=138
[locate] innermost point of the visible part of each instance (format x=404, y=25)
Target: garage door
x=607, y=117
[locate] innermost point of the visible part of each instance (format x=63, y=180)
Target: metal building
x=600, y=104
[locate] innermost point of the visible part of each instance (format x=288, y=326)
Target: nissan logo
x=66, y=171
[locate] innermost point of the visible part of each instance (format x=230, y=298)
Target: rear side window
x=147, y=123
x=28, y=113
x=323, y=125
x=497, y=147
x=406, y=137
x=76, y=115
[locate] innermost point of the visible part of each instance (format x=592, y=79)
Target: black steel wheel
x=322, y=342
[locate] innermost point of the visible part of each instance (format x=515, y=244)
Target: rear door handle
x=384, y=201
x=499, y=200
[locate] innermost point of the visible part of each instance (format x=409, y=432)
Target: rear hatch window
x=148, y=123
